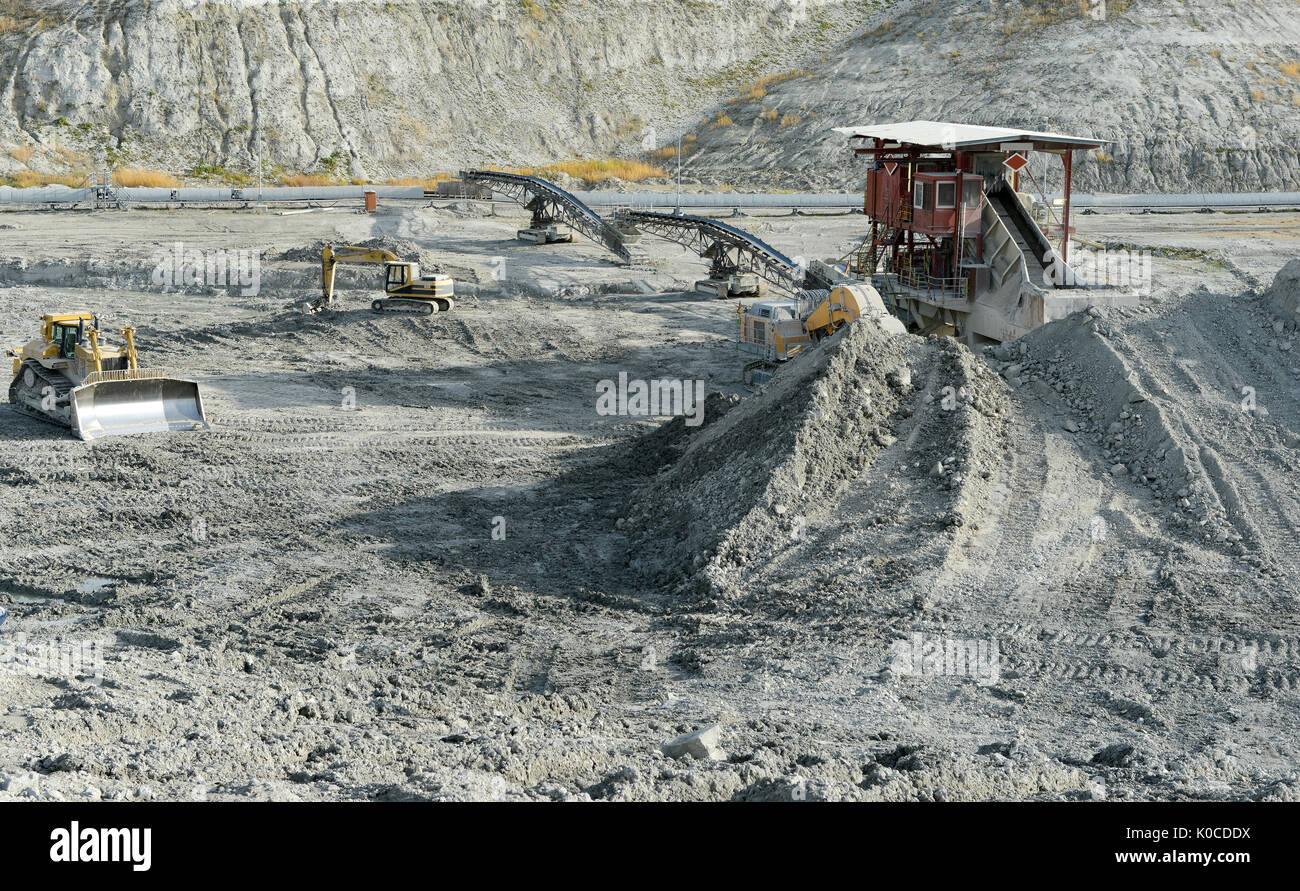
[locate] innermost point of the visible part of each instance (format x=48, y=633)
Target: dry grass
x=770, y=114
x=428, y=182
x=23, y=153
x=306, y=179
x=128, y=177
x=1038, y=14
x=1290, y=69
x=757, y=90
x=1257, y=95
x=593, y=170
x=665, y=153
x=789, y=120
x=633, y=125
x=73, y=159
x=723, y=120
x=23, y=16
x=26, y=179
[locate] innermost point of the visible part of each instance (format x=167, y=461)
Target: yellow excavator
x=406, y=290
x=67, y=376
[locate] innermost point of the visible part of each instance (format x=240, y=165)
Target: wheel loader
x=406, y=290
x=68, y=376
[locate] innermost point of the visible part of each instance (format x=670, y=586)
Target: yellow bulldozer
x=69, y=377
x=406, y=291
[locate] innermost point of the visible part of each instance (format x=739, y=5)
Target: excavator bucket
x=136, y=405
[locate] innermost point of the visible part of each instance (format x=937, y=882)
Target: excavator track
x=402, y=306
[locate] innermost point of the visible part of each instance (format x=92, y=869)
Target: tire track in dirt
x=1216, y=397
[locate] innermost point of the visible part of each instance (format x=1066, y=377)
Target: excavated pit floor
x=308, y=602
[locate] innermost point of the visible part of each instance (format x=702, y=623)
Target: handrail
x=99, y=377
x=933, y=287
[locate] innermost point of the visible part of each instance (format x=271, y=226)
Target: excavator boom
x=331, y=257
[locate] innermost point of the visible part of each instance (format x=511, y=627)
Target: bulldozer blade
x=146, y=405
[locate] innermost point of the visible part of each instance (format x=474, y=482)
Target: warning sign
x=1016, y=161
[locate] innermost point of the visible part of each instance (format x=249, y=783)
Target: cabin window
x=947, y=194
x=970, y=192
x=66, y=337
x=921, y=196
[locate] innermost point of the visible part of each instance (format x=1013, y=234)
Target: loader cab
x=775, y=309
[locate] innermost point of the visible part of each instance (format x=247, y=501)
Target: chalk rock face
x=1183, y=112
x=346, y=88
x=403, y=88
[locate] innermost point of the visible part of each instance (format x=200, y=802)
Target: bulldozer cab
x=65, y=331
x=66, y=337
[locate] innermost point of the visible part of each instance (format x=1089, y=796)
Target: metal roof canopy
x=940, y=136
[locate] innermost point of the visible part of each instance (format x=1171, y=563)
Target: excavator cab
x=399, y=275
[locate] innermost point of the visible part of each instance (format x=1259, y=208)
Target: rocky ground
x=1192, y=95
x=1062, y=568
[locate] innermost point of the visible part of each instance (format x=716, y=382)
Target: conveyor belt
x=730, y=249
x=549, y=203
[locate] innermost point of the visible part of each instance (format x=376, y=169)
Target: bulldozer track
x=61, y=385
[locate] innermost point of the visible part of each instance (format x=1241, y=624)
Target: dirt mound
x=744, y=482
x=351, y=333
x=1285, y=292
x=402, y=248
x=1073, y=364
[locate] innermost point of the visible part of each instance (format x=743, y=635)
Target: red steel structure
x=936, y=194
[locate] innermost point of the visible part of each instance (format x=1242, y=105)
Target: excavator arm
x=331, y=256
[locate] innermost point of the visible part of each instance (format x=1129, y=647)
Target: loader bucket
x=144, y=405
